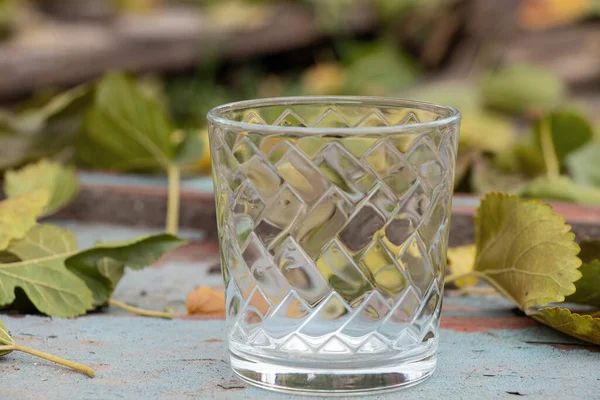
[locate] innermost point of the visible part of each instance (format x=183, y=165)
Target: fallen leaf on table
x=5, y=339
x=569, y=131
x=560, y=188
x=588, y=287
x=205, y=300
x=525, y=251
x=522, y=88
x=125, y=130
x=61, y=182
x=18, y=214
x=584, y=165
x=461, y=260
x=584, y=327
x=42, y=274
x=102, y=266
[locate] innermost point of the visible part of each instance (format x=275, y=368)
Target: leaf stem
x=78, y=367
x=173, y=199
x=140, y=311
x=548, y=150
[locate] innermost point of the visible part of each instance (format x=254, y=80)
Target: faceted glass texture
x=333, y=217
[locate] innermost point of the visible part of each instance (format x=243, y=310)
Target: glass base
x=370, y=378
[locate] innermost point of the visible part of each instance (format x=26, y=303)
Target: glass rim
x=215, y=115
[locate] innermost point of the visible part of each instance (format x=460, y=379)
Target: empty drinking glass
x=333, y=217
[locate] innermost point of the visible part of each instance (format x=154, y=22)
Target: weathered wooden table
x=487, y=349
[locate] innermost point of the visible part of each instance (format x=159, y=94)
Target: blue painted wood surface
x=487, y=351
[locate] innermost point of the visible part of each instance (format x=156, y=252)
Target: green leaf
x=18, y=215
x=101, y=267
x=521, y=88
x=584, y=327
x=462, y=95
x=525, y=251
x=588, y=287
x=190, y=149
x=42, y=274
x=125, y=130
x=461, y=261
x=43, y=131
x=61, y=182
x=560, y=188
x=382, y=69
x=584, y=165
x=486, y=131
x=569, y=131
x=5, y=339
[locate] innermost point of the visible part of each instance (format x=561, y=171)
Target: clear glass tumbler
x=333, y=217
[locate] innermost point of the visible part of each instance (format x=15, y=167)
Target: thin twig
x=140, y=311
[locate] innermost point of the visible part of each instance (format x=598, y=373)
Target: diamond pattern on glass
x=295, y=345
x=415, y=261
x=287, y=317
x=298, y=172
x=248, y=201
x=301, y=272
x=384, y=200
x=261, y=340
x=239, y=272
x=335, y=346
x=329, y=316
x=361, y=228
x=331, y=118
x=428, y=312
x=323, y=222
x=373, y=118
x=279, y=216
x=424, y=159
x=385, y=273
x=345, y=171
x=402, y=314
x=264, y=271
x=289, y=118
x=342, y=274
x=264, y=178
x=244, y=150
x=374, y=345
x=371, y=311
x=254, y=312
x=332, y=245
x=407, y=340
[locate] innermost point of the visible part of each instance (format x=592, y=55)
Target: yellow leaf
x=18, y=215
x=584, y=327
x=525, y=251
x=323, y=79
x=61, y=183
x=544, y=14
x=461, y=260
x=206, y=300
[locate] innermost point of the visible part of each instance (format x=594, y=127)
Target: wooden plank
x=142, y=201
x=174, y=38
x=486, y=350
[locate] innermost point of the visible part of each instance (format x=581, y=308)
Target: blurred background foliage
x=524, y=73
